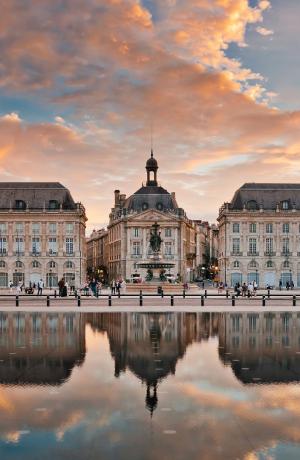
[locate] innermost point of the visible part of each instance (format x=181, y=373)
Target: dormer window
x=20, y=204
x=53, y=204
x=285, y=205
x=252, y=205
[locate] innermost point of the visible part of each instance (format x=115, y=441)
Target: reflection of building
x=261, y=347
x=40, y=348
x=42, y=234
x=259, y=237
x=129, y=231
x=151, y=344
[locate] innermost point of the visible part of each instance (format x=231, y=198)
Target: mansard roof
x=35, y=195
x=267, y=196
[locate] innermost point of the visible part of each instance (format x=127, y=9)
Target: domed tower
x=151, y=167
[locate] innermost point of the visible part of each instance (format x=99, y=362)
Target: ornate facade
x=129, y=228
x=259, y=235
x=42, y=234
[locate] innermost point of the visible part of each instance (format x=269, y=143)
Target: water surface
x=149, y=386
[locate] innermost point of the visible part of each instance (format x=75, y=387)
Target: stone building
x=42, y=234
x=97, y=254
x=130, y=223
x=259, y=235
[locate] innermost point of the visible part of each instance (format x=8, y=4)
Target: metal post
x=55, y=293
x=263, y=300
x=227, y=293
x=48, y=301
x=17, y=300
x=202, y=301
x=183, y=294
x=78, y=301
x=141, y=299
x=268, y=293
x=172, y=300
x=205, y=293
x=162, y=293
x=109, y=300
x=294, y=300
x=233, y=301
x=119, y=293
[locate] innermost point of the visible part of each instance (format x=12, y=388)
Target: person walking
x=280, y=285
x=40, y=287
x=292, y=285
x=244, y=290
x=113, y=286
x=10, y=285
x=250, y=289
x=61, y=286
x=255, y=286
x=93, y=286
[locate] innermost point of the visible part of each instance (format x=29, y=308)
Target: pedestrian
x=123, y=286
x=10, y=285
x=118, y=287
x=113, y=286
x=255, y=286
x=93, y=286
x=287, y=285
x=40, y=287
x=280, y=285
x=61, y=286
x=250, y=289
x=292, y=285
x=244, y=290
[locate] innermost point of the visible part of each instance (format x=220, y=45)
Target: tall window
x=19, y=245
x=69, y=228
x=36, y=248
x=168, y=248
x=19, y=227
x=236, y=264
x=236, y=227
x=36, y=228
x=69, y=245
x=236, y=245
x=52, y=228
x=136, y=248
x=136, y=232
x=52, y=245
x=3, y=228
x=252, y=245
x=269, y=228
x=285, y=205
x=252, y=227
x=285, y=228
x=285, y=245
x=168, y=232
x=3, y=245
x=269, y=245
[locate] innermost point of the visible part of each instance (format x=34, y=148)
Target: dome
x=151, y=163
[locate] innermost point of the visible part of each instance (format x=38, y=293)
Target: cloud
x=264, y=31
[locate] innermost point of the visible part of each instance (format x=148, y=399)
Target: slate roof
x=267, y=195
x=151, y=197
x=36, y=195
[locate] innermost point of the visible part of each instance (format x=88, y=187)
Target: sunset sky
x=83, y=81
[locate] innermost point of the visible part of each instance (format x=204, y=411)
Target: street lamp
x=50, y=279
x=256, y=279
x=290, y=278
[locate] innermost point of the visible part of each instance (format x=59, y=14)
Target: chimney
x=117, y=197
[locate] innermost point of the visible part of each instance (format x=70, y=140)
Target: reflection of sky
x=203, y=411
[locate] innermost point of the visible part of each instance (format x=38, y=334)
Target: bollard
x=268, y=293
x=55, y=293
x=263, y=300
x=205, y=293
x=119, y=293
x=141, y=299
x=78, y=301
x=162, y=293
x=17, y=300
x=183, y=294
x=233, y=301
x=172, y=300
x=294, y=300
x=202, y=301
x=227, y=293
x=248, y=295
x=109, y=300
x=48, y=301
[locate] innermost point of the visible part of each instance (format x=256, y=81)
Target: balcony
x=168, y=256
x=3, y=252
x=35, y=253
x=69, y=254
x=236, y=254
x=136, y=256
x=51, y=253
x=270, y=253
x=286, y=253
x=253, y=254
x=19, y=253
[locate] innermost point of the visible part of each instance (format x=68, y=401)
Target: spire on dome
x=152, y=167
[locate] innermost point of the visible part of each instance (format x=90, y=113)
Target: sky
x=83, y=83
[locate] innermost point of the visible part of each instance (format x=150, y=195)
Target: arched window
x=270, y=264
x=252, y=205
x=52, y=264
x=69, y=264
x=20, y=204
x=236, y=264
x=35, y=264
x=252, y=264
x=286, y=264
x=19, y=264
x=285, y=205
x=53, y=204
x=2, y=264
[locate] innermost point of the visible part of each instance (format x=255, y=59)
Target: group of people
x=288, y=285
x=116, y=286
x=246, y=290
x=29, y=289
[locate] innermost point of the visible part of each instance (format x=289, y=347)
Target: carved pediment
x=152, y=216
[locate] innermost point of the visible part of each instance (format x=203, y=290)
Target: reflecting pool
x=149, y=386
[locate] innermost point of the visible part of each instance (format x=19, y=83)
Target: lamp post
x=290, y=277
x=256, y=278
x=50, y=279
